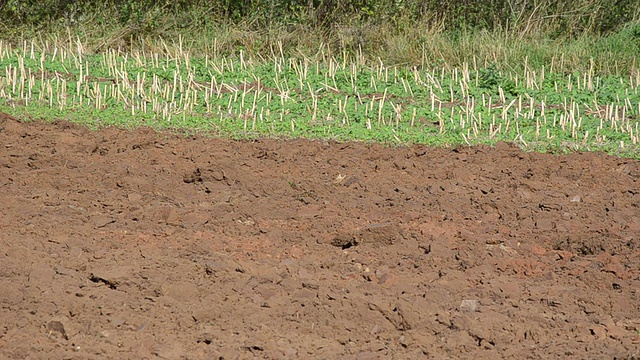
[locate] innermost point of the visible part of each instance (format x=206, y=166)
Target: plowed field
x=138, y=244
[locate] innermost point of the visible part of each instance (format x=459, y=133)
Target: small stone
x=56, y=328
x=404, y=341
x=470, y=305
x=305, y=294
x=101, y=220
x=599, y=331
x=375, y=330
x=576, y=198
x=134, y=197
x=117, y=321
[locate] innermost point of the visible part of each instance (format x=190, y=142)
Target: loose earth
x=119, y=244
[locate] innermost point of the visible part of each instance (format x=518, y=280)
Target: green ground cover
x=546, y=78
x=331, y=98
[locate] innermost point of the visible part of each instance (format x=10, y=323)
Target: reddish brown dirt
x=118, y=244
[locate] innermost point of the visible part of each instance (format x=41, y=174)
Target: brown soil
x=137, y=244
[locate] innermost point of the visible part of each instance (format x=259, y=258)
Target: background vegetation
x=546, y=75
x=571, y=16
x=410, y=32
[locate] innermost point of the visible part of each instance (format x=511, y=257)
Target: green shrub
x=572, y=16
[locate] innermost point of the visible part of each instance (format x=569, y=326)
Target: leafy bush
x=558, y=18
